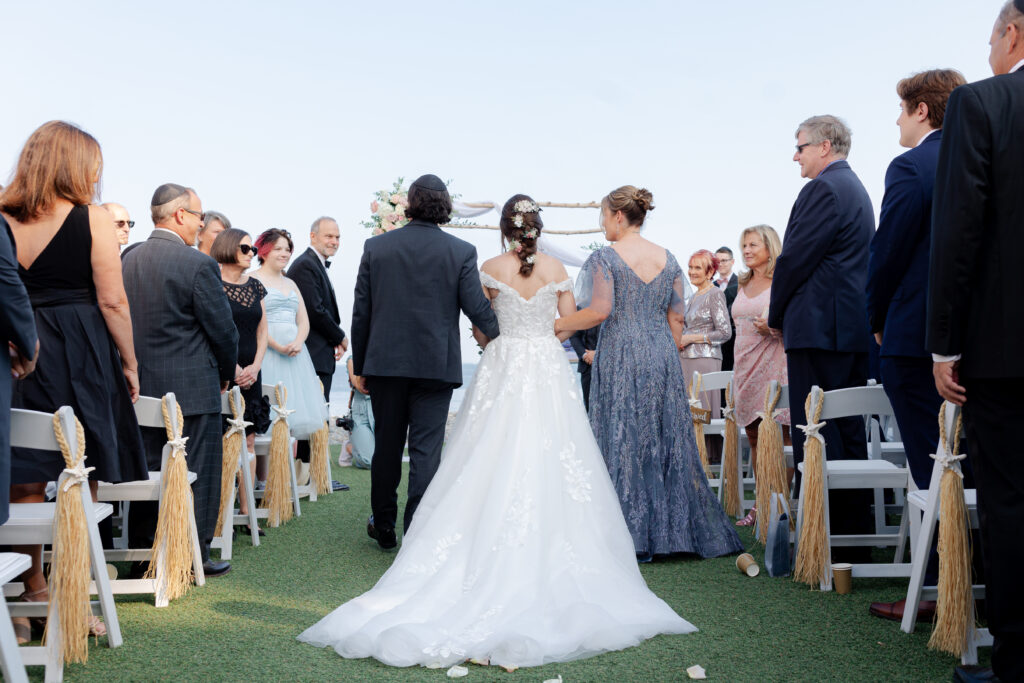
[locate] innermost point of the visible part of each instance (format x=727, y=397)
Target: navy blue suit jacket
x=817, y=297
x=412, y=284
x=898, y=268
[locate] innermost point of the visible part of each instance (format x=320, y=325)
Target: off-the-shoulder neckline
x=504, y=286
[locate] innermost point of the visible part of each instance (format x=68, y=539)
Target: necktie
x=327, y=264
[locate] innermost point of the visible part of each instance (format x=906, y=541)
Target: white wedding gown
x=518, y=552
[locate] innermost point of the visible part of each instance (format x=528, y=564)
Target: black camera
x=346, y=422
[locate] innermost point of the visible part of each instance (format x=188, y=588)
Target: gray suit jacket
x=185, y=338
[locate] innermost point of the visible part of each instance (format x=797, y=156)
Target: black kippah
x=1019, y=4
x=167, y=192
x=430, y=182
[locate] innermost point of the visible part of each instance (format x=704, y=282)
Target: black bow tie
x=327, y=264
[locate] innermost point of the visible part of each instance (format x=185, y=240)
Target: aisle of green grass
x=242, y=627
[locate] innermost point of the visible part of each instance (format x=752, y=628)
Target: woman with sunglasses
x=233, y=250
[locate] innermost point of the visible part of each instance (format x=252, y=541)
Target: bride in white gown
x=518, y=553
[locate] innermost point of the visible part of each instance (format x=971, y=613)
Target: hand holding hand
x=589, y=356
x=947, y=378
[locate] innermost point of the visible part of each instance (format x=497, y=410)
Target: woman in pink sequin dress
x=759, y=354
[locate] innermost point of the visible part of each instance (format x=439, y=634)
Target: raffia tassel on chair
x=232, y=447
x=770, y=474
x=173, y=539
x=277, y=497
x=319, y=447
x=699, y=416
x=954, y=613
x=731, y=456
x=69, y=574
x=813, y=563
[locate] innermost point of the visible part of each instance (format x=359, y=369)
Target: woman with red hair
x=287, y=359
x=707, y=327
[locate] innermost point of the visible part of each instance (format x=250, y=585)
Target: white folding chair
x=11, y=566
x=33, y=524
x=262, y=448
x=717, y=381
x=149, y=412
x=225, y=540
x=924, y=512
x=871, y=473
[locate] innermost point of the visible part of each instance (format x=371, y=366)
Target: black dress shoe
x=215, y=568
x=971, y=674
x=338, y=486
x=385, y=537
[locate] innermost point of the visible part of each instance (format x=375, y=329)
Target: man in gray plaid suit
x=186, y=342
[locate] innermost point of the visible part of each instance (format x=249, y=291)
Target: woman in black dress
x=68, y=260
x=233, y=250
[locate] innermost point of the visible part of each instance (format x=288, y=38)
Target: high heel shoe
x=23, y=625
x=750, y=519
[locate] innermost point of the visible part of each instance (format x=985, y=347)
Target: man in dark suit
x=976, y=316
x=187, y=343
x=584, y=343
x=18, y=334
x=411, y=285
x=727, y=281
x=898, y=284
x=326, y=341
x=817, y=301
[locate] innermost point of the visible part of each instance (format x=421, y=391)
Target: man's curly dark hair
x=432, y=206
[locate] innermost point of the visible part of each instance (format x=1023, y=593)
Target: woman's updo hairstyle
x=520, y=228
x=633, y=202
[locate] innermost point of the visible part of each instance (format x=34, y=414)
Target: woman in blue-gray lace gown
x=638, y=404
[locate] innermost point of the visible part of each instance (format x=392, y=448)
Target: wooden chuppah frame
x=550, y=205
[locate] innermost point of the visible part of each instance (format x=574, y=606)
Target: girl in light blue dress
x=287, y=359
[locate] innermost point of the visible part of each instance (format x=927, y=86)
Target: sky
x=278, y=113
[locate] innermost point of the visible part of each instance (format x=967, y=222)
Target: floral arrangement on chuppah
x=388, y=209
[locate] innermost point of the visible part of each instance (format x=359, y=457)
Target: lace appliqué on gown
x=518, y=552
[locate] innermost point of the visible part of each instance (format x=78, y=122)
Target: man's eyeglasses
x=247, y=248
x=800, y=148
x=201, y=215
x=121, y=224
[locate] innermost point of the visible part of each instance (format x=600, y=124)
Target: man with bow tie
x=326, y=341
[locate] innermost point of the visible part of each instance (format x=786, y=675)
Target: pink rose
x=403, y=201
x=387, y=226
x=374, y=206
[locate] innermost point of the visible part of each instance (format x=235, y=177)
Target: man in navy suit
x=898, y=283
x=976, y=316
x=817, y=301
x=412, y=284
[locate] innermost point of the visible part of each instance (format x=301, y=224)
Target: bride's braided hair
x=520, y=228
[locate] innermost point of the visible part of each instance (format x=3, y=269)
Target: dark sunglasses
x=247, y=248
x=121, y=224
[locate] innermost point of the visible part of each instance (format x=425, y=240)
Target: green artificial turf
x=242, y=626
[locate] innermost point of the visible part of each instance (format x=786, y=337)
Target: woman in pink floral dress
x=759, y=354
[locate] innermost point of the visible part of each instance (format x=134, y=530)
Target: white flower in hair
x=530, y=259
x=530, y=234
x=526, y=206
x=517, y=220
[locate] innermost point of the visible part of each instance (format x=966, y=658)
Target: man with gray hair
x=976, y=317
x=186, y=342
x=818, y=302
x=326, y=341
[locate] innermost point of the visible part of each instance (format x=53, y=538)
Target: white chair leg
x=197, y=553
x=99, y=572
x=901, y=538
x=919, y=561
x=249, y=496
x=10, y=658
x=227, y=533
x=54, y=647
x=879, y=511
x=295, y=489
